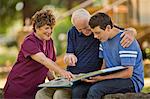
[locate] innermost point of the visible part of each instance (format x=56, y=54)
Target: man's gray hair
x=80, y=14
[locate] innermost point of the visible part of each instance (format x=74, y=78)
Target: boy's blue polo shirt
x=115, y=55
x=86, y=49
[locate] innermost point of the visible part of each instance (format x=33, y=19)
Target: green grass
x=146, y=90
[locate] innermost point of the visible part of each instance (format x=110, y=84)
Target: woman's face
x=44, y=32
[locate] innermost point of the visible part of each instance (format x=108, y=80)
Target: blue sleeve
x=100, y=51
x=70, y=45
x=128, y=55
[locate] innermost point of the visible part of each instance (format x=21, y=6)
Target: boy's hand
x=94, y=79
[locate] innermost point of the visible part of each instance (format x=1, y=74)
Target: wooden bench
x=118, y=96
x=127, y=96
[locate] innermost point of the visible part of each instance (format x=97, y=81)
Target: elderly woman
x=35, y=60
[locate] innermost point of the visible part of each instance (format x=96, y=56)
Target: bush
x=61, y=29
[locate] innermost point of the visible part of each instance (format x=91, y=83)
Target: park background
x=15, y=25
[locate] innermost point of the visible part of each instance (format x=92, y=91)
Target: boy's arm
x=103, y=65
x=128, y=37
x=128, y=58
x=127, y=73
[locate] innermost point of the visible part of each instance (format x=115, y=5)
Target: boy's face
x=44, y=32
x=100, y=34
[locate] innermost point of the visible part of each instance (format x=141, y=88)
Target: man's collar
x=80, y=34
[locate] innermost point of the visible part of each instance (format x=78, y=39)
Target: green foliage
x=8, y=14
x=7, y=55
x=6, y=58
x=61, y=27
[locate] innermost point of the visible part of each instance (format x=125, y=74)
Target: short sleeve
x=54, y=49
x=29, y=47
x=100, y=51
x=128, y=55
x=70, y=45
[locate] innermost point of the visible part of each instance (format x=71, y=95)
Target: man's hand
x=128, y=37
x=70, y=59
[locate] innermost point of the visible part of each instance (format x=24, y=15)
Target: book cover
x=64, y=83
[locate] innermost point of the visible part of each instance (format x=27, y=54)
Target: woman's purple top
x=27, y=74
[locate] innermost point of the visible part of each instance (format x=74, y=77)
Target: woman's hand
x=50, y=75
x=66, y=74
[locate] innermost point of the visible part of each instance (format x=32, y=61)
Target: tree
x=8, y=14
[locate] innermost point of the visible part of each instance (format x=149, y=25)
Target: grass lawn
x=146, y=90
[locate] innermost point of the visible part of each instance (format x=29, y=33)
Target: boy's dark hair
x=101, y=20
x=43, y=17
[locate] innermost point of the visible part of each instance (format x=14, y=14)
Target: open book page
x=64, y=83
